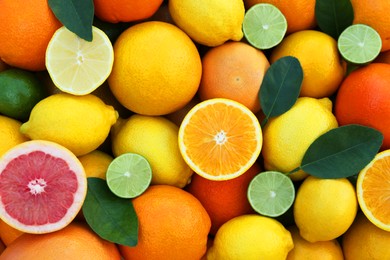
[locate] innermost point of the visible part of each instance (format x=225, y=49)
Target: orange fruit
x=320, y=250
x=363, y=98
x=373, y=190
x=375, y=15
x=44, y=179
x=323, y=69
x=9, y=134
x=76, y=241
x=157, y=68
x=115, y=11
x=27, y=27
x=8, y=234
x=365, y=241
x=173, y=224
x=233, y=70
x=223, y=200
x=300, y=14
x=220, y=139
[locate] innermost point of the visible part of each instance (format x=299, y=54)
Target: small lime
x=271, y=193
x=264, y=26
x=129, y=175
x=359, y=44
x=20, y=90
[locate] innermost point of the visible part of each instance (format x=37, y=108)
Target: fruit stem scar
x=37, y=186
x=220, y=138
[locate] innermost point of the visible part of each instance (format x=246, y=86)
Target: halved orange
x=373, y=190
x=220, y=139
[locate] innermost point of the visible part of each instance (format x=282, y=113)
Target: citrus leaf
x=111, y=217
x=76, y=15
x=333, y=16
x=342, y=152
x=280, y=87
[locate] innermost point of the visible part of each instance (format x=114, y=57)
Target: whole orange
x=300, y=14
x=223, y=200
x=173, y=224
x=8, y=234
x=75, y=241
x=115, y=11
x=376, y=15
x=363, y=98
x=233, y=70
x=26, y=29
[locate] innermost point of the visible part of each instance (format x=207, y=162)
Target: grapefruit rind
x=240, y=169
x=362, y=190
x=54, y=150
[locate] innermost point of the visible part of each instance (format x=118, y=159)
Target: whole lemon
x=80, y=123
x=155, y=138
x=324, y=209
x=9, y=134
x=287, y=137
x=157, y=68
x=209, y=22
x=250, y=237
x=323, y=69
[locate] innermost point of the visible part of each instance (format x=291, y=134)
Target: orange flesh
x=220, y=139
x=376, y=190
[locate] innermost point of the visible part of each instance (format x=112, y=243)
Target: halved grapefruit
x=42, y=186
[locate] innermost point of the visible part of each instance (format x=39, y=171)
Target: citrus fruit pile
x=182, y=129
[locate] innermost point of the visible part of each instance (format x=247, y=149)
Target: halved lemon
x=220, y=139
x=77, y=66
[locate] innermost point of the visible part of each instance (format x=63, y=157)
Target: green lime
x=264, y=26
x=359, y=44
x=20, y=90
x=271, y=193
x=129, y=175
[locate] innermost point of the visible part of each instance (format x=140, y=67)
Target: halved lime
x=264, y=26
x=271, y=193
x=359, y=44
x=129, y=175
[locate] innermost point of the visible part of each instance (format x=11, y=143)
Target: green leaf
x=111, y=217
x=342, y=152
x=333, y=16
x=280, y=87
x=76, y=15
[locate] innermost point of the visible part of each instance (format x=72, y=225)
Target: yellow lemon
x=9, y=134
x=324, y=209
x=155, y=138
x=80, y=123
x=323, y=69
x=365, y=241
x=96, y=163
x=209, y=22
x=157, y=68
x=250, y=237
x=320, y=250
x=287, y=137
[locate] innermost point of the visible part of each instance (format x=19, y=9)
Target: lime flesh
x=264, y=26
x=271, y=193
x=129, y=175
x=359, y=44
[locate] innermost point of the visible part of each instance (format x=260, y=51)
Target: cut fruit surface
x=271, y=193
x=77, y=66
x=42, y=187
x=359, y=44
x=373, y=190
x=220, y=139
x=264, y=26
x=129, y=175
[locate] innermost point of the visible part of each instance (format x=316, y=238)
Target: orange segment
x=373, y=190
x=220, y=139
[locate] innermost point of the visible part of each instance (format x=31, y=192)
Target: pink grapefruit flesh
x=42, y=187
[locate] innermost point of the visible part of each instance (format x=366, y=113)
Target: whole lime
x=20, y=90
